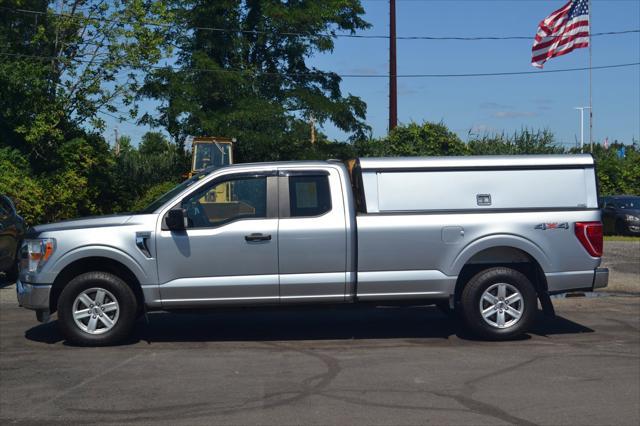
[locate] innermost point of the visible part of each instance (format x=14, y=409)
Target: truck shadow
x=4, y=281
x=308, y=323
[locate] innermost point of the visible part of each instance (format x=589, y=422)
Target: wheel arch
x=90, y=264
x=502, y=255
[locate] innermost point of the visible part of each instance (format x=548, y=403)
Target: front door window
x=227, y=201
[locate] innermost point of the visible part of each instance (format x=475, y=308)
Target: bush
x=426, y=139
x=17, y=182
x=522, y=142
x=152, y=194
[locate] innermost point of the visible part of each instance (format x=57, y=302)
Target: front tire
x=96, y=309
x=499, y=304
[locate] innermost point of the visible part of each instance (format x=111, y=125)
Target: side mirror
x=176, y=219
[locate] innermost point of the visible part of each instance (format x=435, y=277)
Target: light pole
x=582, y=127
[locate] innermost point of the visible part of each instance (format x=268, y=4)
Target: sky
x=479, y=105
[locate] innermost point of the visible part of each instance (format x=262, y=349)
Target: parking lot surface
x=347, y=365
x=363, y=365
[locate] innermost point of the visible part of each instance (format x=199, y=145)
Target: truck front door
x=229, y=251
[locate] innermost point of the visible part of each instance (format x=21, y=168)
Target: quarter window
x=224, y=202
x=309, y=195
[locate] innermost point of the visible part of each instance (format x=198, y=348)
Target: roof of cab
x=480, y=162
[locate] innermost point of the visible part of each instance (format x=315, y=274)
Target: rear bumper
x=563, y=282
x=601, y=278
x=33, y=296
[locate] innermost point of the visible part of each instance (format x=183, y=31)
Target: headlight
x=35, y=253
x=631, y=218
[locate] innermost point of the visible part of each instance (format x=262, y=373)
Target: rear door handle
x=257, y=237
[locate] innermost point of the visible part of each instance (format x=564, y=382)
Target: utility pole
x=393, y=76
x=313, y=130
x=581, y=109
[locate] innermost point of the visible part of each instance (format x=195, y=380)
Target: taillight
x=590, y=235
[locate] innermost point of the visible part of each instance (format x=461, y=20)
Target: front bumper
x=33, y=296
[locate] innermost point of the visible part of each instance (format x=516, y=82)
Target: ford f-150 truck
x=486, y=237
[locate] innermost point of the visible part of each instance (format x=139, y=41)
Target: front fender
x=500, y=240
x=98, y=251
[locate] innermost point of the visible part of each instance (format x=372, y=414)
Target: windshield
x=632, y=203
x=159, y=202
x=211, y=154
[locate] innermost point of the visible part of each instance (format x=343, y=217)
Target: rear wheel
x=96, y=309
x=499, y=303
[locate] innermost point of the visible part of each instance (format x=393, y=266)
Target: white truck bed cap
x=485, y=161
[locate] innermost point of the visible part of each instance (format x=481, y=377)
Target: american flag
x=559, y=33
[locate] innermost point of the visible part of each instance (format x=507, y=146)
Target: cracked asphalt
x=347, y=365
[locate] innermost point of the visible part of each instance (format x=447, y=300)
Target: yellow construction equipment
x=210, y=151
x=217, y=152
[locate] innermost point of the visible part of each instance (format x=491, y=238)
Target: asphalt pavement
x=328, y=366
x=346, y=365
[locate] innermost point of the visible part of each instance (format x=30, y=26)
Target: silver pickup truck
x=485, y=237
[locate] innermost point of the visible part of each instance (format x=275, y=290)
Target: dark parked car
x=621, y=215
x=11, y=234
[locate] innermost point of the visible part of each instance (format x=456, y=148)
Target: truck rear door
x=312, y=239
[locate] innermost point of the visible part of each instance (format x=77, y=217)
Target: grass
x=620, y=238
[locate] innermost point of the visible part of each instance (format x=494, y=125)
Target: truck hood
x=83, y=223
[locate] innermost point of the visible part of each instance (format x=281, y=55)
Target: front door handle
x=257, y=237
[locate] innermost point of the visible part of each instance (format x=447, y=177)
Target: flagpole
x=590, y=86
x=393, y=77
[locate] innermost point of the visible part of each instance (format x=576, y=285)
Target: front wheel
x=499, y=303
x=96, y=309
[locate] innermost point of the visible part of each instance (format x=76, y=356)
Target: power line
x=299, y=34
x=120, y=119
x=491, y=74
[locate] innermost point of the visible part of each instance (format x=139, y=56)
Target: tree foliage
x=414, y=139
x=523, y=142
x=253, y=82
x=65, y=62
x=618, y=173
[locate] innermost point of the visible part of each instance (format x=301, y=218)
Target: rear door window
x=309, y=196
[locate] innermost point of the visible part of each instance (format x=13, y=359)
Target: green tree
x=65, y=62
x=253, y=82
x=618, y=174
x=62, y=64
x=426, y=139
x=153, y=143
x=152, y=194
x=16, y=182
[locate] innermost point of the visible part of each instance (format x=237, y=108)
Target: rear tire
x=499, y=304
x=96, y=309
